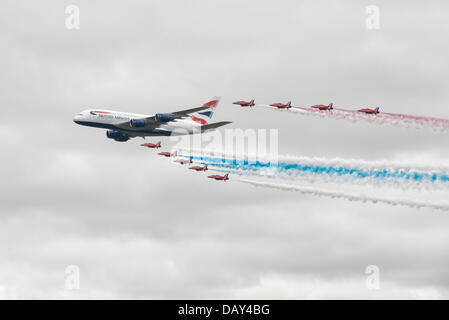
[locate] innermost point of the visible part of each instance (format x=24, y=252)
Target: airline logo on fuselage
x=108, y=115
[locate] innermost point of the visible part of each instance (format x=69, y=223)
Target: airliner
x=123, y=126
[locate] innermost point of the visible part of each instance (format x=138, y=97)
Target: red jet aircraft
x=245, y=103
x=369, y=111
x=279, y=105
x=323, y=107
x=199, y=168
x=183, y=161
x=151, y=145
x=167, y=154
x=218, y=177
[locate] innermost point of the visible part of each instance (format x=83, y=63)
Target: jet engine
x=164, y=117
x=137, y=123
x=117, y=136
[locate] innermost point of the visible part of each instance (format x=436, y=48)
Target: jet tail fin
x=207, y=110
x=251, y=103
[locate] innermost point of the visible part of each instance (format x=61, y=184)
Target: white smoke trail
x=400, y=120
x=349, y=196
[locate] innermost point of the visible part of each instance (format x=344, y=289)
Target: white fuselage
x=114, y=120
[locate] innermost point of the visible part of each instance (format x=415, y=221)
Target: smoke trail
x=400, y=120
x=349, y=196
x=318, y=169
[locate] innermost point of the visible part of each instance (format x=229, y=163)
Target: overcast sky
x=138, y=226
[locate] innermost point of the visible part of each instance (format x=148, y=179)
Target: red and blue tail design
x=202, y=117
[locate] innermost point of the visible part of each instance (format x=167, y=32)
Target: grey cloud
x=140, y=227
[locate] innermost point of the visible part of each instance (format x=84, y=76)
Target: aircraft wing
x=150, y=125
x=214, y=125
x=153, y=123
x=183, y=113
x=186, y=113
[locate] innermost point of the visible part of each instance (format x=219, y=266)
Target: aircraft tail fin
x=251, y=103
x=204, y=116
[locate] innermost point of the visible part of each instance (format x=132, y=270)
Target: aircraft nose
x=77, y=118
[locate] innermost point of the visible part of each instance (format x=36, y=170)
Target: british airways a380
x=122, y=125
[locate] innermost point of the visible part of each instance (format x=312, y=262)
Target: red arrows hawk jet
x=199, y=168
x=245, y=103
x=323, y=107
x=279, y=105
x=218, y=177
x=183, y=161
x=369, y=111
x=152, y=145
x=167, y=154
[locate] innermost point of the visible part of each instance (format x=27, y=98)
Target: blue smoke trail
x=295, y=169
